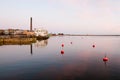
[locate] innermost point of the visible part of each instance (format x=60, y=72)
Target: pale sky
x=67, y=16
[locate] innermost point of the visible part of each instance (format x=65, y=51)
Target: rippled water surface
x=43, y=60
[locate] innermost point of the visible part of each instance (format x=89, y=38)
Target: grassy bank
x=20, y=41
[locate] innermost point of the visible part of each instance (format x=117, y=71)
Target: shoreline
x=88, y=35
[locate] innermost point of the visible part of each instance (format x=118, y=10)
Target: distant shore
x=87, y=35
x=10, y=40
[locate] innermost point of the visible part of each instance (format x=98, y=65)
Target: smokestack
x=30, y=23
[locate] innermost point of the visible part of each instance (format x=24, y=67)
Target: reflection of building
x=41, y=43
x=31, y=49
x=40, y=32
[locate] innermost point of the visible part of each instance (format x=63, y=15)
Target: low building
x=60, y=34
x=28, y=33
x=11, y=31
x=1, y=32
x=18, y=32
x=6, y=32
x=40, y=32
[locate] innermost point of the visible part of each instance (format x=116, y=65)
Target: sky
x=67, y=16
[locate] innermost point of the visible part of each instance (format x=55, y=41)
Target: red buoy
x=62, y=45
x=93, y=46
x=71, y=42
x=105, y=59
x=62, y=51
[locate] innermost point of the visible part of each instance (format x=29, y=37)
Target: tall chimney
x=30, y=23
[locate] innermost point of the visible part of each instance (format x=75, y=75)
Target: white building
x=40, y=32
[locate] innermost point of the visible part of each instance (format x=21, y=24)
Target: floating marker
x=62, y=51
x=105, y=59
x=93, y=46
x=62, y=45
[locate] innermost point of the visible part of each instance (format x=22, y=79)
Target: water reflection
x=79, y=61
x=105, y=63
x=62, y=51
x=31, y=49
x=41, y=43
x=21, y=41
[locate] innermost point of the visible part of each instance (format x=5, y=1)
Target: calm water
x=43, y=60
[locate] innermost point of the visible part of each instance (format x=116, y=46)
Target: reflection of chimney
x=30, y=23
x=31, y=49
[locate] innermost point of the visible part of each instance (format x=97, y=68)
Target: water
x=43, y=60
